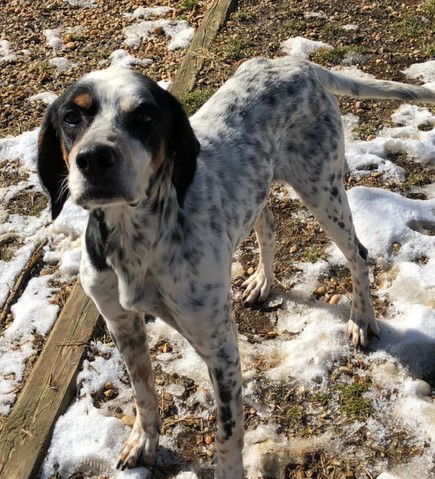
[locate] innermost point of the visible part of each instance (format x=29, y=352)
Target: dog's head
x=104, y=138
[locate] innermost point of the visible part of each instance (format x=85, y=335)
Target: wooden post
x=194, y=59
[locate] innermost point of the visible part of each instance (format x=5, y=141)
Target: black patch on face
x=169, y=124
x=96, y=238
x=71, y=133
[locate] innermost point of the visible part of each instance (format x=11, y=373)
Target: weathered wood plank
x=195, y=57
x=27, y=430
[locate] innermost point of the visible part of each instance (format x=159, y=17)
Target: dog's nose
x=95, y=159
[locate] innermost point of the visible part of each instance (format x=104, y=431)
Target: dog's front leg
x=223, y=364
x=129, y=335
x=128, y=331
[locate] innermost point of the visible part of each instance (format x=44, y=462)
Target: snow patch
x=82, y=3
x=46, y=97
x=353, y=72
x=382, y=218
x=301, y=47
x=6, y=53
x=146, y=12
x=422, y=71
x=179, y=31
x=62, y=64
x=53, y=40
x=123, y=59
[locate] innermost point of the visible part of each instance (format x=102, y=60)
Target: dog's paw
x=359, y=328
x=140, y=445
x=257, y=287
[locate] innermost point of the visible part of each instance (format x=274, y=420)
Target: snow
x=123, y=59
x=32, y=314
x=6, y=53
x=53, y=40
x=422, y=71
x=62, y=64
x=146, y=12
x=46, y=97
x=302, y=47
x=22, y=147
x=349, y=27
x=179, y=32
x=353, y=72
x=82, y=3
x=382, y=218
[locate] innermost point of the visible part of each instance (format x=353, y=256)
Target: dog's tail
x=339, y=84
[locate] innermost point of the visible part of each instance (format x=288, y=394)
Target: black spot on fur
x=362, y=250
x=95, y=239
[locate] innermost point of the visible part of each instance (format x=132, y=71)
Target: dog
x=170, y=199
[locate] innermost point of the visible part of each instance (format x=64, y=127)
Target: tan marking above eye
x=129, y=103
x=84, y=100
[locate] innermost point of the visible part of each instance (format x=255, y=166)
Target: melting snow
x=62, y=64
x=47, y=97
x=123, y=59
x=422, y=71
x=302, y=47
x=6, y=53
x=179, y=31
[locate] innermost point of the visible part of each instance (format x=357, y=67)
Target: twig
x=22, y=280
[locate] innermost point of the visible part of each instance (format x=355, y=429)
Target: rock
x=293, y=249
x=320, y=290
x=128, y=420
x=275, y=301
x=70, y=45
x=209, y=439
x=250, y=270
x=109, y=393
x=237, y=270
x=335, y=299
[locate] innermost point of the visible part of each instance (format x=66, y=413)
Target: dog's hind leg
x=223, y=364
x=332, y=210
x=257, y=286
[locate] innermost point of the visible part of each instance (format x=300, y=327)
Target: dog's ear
x=183, y=147
x=52, y=167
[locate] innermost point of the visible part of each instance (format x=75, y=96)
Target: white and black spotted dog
x=170, y=200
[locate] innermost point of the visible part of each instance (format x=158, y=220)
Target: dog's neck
x=135, y=235
x=142, y=225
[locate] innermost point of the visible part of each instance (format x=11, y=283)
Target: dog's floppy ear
x=183, y=147
x=52, y=168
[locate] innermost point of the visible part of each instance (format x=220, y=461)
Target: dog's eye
x=72, y=117
x=144, y=114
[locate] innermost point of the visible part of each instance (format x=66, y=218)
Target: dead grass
x=10, y=174
x=193, y=100
x=27, y=203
